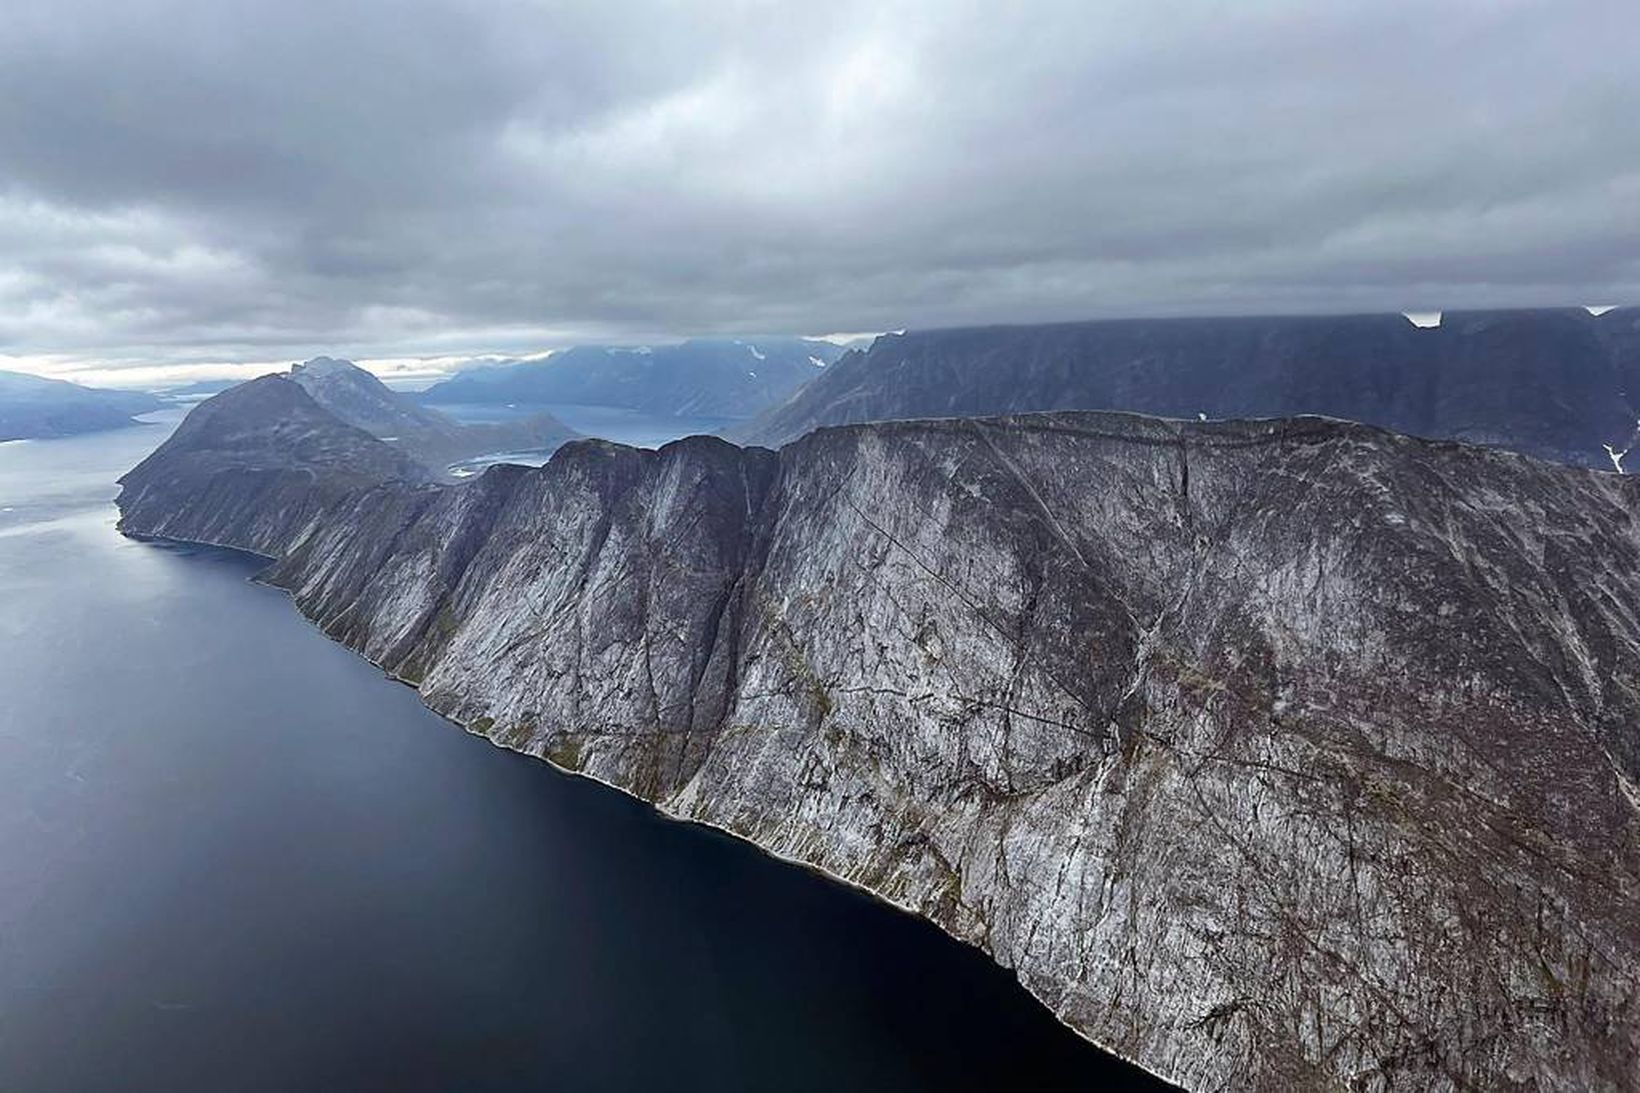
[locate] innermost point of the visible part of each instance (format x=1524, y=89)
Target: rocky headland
x=1280, y=754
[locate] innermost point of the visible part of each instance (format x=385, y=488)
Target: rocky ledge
x=1273, y=754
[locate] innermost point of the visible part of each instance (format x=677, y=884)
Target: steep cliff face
x=1279, y=754
x=253, y=466
x=1558, y=384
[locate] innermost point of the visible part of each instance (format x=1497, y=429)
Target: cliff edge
x=1269, y=754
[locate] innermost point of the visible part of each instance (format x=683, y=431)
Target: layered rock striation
x=1269, y=754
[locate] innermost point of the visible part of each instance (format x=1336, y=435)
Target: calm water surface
x=234, y=857
x=610, y=422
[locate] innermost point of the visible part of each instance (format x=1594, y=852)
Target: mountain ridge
x=1561, y=384
x=434, y=439
x=35, y=407
x=702, y=377
x=1277, y=753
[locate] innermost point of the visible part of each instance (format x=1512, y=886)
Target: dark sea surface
x=234, y=857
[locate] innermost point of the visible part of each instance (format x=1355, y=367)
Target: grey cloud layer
x=186, y=180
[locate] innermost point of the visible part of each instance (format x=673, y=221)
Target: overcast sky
x=211, y=181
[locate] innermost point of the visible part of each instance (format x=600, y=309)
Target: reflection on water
x=236, y=858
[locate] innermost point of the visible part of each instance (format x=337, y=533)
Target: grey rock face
x=253, y=464
x=1271, y=754
x=1557, y=384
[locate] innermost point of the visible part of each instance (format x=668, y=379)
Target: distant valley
x=722, y=378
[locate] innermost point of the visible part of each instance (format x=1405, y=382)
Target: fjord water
x=234, y=857
x=615, y=423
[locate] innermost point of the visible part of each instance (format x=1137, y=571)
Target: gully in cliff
x=1318, y=770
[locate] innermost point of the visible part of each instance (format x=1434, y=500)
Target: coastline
x=656, y=807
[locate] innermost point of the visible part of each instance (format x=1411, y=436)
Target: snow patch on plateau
x=1616, y=456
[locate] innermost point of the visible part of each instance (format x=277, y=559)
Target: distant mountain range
x=33, y=406
x=432, y=439
x=721, y=378
x=199, y=389
x=1562, y=384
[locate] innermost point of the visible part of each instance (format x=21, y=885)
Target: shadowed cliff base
x=1286, y=753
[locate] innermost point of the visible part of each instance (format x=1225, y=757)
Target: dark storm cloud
x=206, y=181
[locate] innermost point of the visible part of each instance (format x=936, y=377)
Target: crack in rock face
x=1287, y=754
